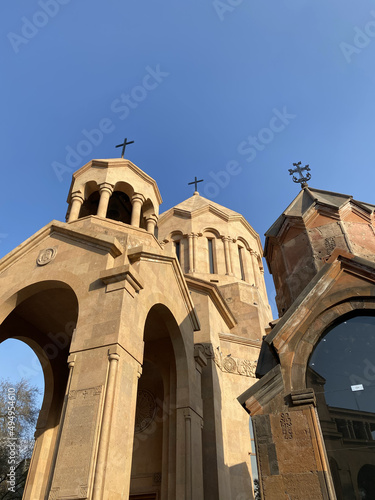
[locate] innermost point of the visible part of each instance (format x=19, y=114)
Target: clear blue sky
x=221, y=73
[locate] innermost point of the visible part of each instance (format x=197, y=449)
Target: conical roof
x=309, y=197
x=198, y=202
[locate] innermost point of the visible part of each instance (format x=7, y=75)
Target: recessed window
x=211, y=255
x=177, y=248
x=242, y=267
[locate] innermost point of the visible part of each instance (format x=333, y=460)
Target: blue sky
x=200, y=87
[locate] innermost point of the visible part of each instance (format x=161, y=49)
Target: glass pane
x=342, y=372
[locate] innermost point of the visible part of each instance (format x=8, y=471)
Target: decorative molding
x=145, y=411
x=157, y=478
x=54, y=493
x=286, y=425
x=100, y=242
x=228, y=337
x=46, y=256
x=303, y=397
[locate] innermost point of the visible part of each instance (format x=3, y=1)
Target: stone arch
x=147, y=211
x=210, y=231
x=366, y=482
x=91, y=198
x=124, y=187
x=44, y=315
x=306, y=342
x=161, y=395
x=244, y=242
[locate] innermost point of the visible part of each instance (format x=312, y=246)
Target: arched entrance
x=44, y=316
x=366, y=482
x=153, y=473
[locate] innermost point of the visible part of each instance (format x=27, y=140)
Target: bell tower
x=115, y=189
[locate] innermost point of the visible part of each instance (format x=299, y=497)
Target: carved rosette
x=45, y=256
x=230, y=365
x=145, y=411
x=243, y=367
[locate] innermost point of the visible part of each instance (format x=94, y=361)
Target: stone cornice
x=235, y=339
x=262, y=392
x=119, y=162
x=102, y=242
x=142, y=253
x=213, y=292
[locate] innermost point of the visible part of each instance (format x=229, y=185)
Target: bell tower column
x=106, y=190
x=77, y=200
x=137, y=202
x=151, y=223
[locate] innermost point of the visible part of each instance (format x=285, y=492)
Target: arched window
x=90, y=205
x=211, y=255
x=342, y=372
x=119, y=207
x=242, y=262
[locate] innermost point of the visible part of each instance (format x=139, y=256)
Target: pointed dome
x=304, y=236
x=197, y=204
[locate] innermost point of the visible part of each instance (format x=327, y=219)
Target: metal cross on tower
x=124, y=144
x=195, y=182
x=302, y=179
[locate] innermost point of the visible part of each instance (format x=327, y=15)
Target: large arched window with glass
x=342, y=372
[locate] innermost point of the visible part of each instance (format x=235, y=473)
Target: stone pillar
x=75, y=207
x=263, y=284
x=228, y=261
x=195, y=240
x=106, y=425
x=191, y=253
x=233, y=253
x=151, y=223
x=249, y=271
x=47, y=438
x=189, y=465
x=254, y=259
x=106, y=190
x=137, y=202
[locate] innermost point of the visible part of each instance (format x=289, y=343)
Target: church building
x=157, y=341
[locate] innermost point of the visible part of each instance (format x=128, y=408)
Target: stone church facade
x=148, y=328
x=155, y=335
